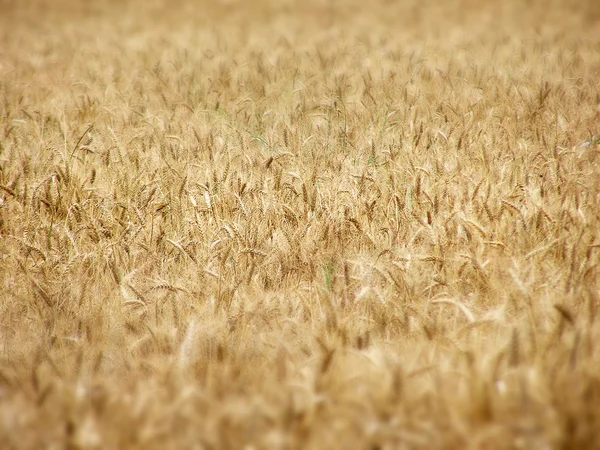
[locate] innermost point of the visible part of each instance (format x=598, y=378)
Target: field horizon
x=299, y=225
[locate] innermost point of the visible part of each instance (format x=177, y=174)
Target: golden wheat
x=308, y=224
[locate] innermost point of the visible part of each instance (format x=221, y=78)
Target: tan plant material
x=299, y=224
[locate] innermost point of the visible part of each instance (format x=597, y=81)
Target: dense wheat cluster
x=289, y=225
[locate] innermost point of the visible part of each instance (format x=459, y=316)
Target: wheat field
x=299, y=225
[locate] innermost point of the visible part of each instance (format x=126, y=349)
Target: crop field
x=315, y=224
